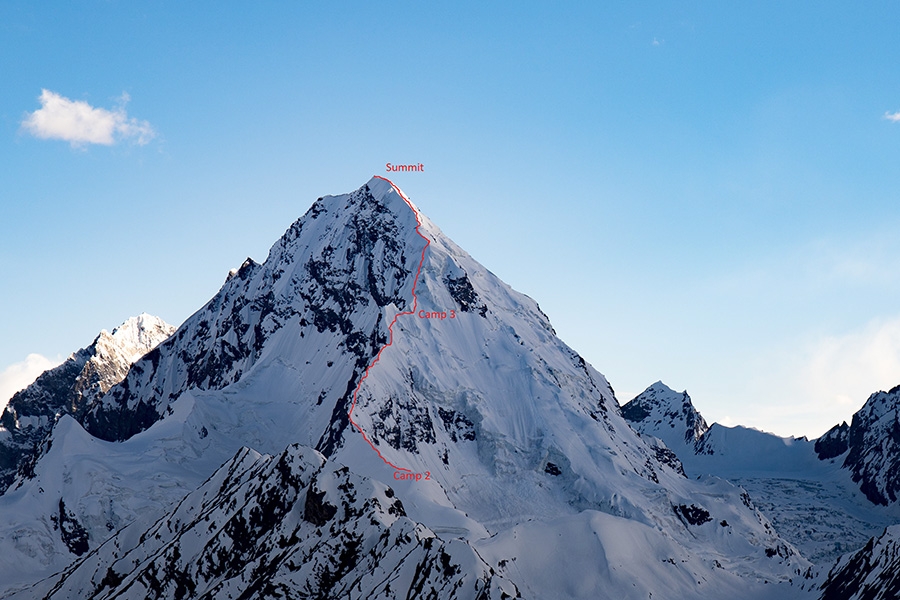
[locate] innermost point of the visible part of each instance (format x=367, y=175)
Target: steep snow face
x=473, y=411
x=70, y=387
x=666, y=414
x=290, y=526
x=871, y=573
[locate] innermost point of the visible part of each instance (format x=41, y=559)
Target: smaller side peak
x=833, y=442
x=660, y=394
x=659, y=386
x=135, y=337
x=664, y=413
x=143, y=322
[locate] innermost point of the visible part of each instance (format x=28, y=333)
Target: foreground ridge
x=391, y=328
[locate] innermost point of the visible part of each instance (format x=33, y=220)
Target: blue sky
x=695, y=192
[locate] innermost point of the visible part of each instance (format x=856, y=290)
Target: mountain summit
x=387, y=360
x=666, y=414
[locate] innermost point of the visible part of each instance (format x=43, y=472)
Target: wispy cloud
x=805, y=387
x=841, y=371
x=20, y=375
x=79, y=123
x=894, y=117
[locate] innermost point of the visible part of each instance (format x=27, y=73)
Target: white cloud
x=842, y=371
x=20, y=375
x=727, y=421
x=78, y=123
x=892, y=116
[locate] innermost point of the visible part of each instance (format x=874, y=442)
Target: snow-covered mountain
x=71, y=387
x=666, y=414
x=872, y=446
x=375, y=349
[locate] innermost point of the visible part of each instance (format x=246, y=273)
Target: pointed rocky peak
x=376, y=217
x=128, y=342
x=833, y=442
x=666, y=414
x=872, y=443
x=69, y=388
x=357, y=273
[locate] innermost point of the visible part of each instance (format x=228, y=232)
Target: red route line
x=391, y=329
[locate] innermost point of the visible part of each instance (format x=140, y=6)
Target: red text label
x=404, y=168
x=437, y=314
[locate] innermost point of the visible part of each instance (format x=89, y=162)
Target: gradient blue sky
x=699, y=192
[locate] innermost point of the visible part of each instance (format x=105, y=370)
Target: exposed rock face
x=834, y=442
x=287, y=526
x=874, y=447
x=666, y=414
x=872, y=444
x=327, y=280
x=871, y=573
x=70, y=388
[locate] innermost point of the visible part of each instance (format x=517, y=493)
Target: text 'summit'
x=390, y=168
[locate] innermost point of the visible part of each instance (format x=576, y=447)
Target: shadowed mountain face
x=871, y=573
x=872, y=443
